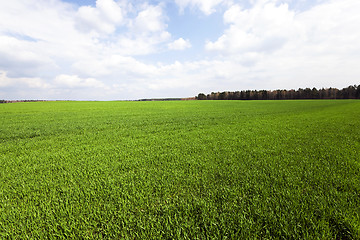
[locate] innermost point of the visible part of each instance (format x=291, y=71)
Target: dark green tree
x=201, y=96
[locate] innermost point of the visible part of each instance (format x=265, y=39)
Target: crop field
x=180, y=170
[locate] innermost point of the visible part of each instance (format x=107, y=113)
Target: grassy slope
x=196, y=169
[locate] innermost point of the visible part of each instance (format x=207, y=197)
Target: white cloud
x=110, y=10
x=90, y=20
x=317, y=47
x=265, y=27
x=206, y=6
x=104, y=18
x=151, y=19
x=7, y=82
x=271, y=26
x=115, y=66
x=74, y=81
x=47, y=40
x=21, y=58
x=121, y=49
x=179, y=44
x=146, y=31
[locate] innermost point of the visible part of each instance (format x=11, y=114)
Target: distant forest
x=351, y=92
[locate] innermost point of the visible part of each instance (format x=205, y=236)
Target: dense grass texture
x=180, y=170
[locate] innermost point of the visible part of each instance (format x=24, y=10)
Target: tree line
x=351, y=92
x=14, y=101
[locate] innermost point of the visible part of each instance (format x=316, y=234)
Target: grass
x=180, y=170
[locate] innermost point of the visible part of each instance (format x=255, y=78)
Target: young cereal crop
x=180, y=170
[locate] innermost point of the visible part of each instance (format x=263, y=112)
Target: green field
x=180, y=170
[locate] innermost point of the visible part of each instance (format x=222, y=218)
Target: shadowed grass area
x=180, y=170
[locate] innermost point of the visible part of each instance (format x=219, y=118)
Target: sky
x=134, y=49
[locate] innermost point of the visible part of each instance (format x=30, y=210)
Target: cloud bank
x=118, y=49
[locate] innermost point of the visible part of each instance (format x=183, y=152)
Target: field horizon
x=265, y=169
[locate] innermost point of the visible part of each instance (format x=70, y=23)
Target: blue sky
x=122, y=49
